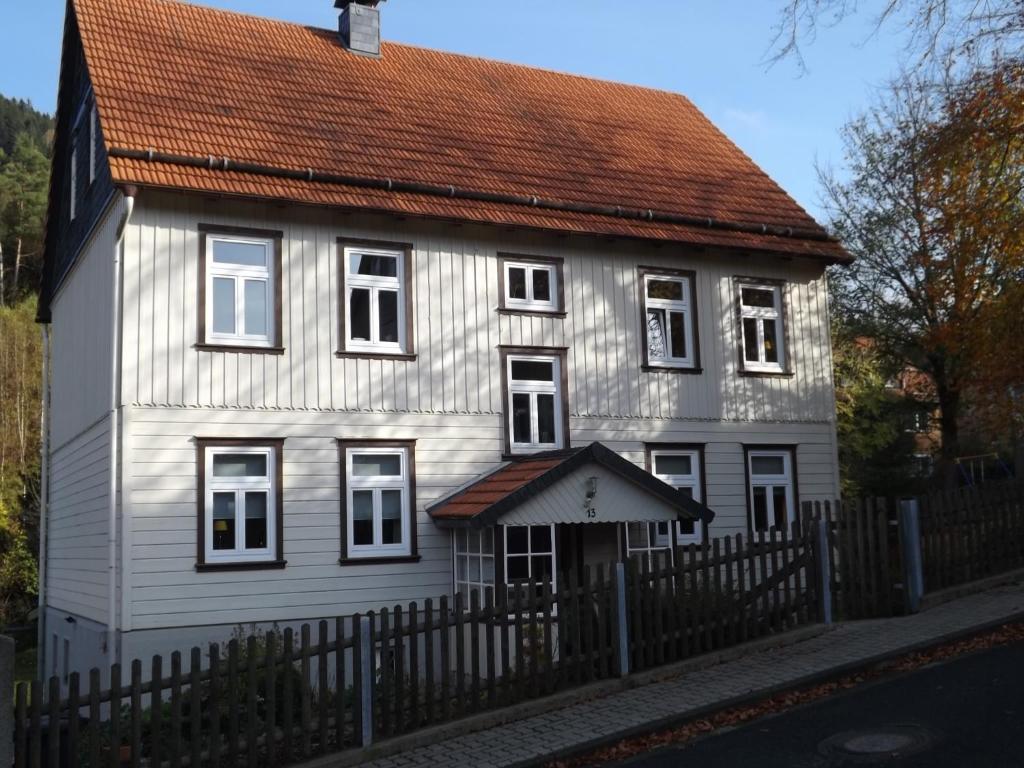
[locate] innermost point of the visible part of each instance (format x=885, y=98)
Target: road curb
x=806, y=681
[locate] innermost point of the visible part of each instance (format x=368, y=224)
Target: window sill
x=382, y=560
x=404, y=356
x=671, y=369
x=267, y=565
x=239, y=348
x=525, y=312
x=767, y=374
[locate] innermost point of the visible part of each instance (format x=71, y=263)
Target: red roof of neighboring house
x=192, y=83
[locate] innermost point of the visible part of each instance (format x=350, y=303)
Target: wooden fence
x=971, y=534
x=280, y=698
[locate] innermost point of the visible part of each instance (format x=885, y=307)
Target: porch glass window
x=649, y=541
x=474, y=563
x=240, y=291
x=378, y=502
x=529, y=554
x=761, y=327
x=681, y=469
x=240, y=507
x=375, y=302
x=535, y=403
x=772, y=494
x=669, y=319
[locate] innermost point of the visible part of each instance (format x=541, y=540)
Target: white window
x=667, y=307
x=378, y=502
x=772, y=495
x=239, y=291
x=474, y=563
x=531, y=286
x=92, y=144
x=375, y=300
x=762, y=330
x=73, y=189
x=529, y=554
x=681, y=469
x=535, y=403
x=650, y=542
x=240, y=504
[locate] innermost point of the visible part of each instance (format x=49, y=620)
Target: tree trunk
x=17, y=268
x=2, y=293
x=949, y=427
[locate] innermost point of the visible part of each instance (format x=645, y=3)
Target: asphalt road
x=967, y=713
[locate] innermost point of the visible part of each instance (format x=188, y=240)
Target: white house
x=334, y=325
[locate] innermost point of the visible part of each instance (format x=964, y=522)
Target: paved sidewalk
x=650, y=707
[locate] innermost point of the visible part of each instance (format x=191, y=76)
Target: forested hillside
x=25, y=138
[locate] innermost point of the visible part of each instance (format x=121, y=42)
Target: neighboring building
x=312, y=311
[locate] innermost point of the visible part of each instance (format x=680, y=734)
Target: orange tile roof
x=492, y=488
x=196, y=82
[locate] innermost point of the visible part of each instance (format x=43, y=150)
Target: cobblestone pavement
x=534, y=739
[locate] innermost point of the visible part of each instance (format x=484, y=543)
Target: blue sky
x=710, y=50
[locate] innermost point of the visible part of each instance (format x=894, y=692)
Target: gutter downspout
x=114, y=414
x=44, y=495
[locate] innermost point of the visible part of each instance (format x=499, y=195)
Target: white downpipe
x=115, y=403
x=44, y=496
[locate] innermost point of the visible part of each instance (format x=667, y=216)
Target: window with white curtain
x=669, y=320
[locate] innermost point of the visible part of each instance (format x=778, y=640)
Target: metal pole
x=621, y=621
x=366, y=677
x=823, y=558
x=910, y=527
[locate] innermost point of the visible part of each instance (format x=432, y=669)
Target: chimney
x=359, y=26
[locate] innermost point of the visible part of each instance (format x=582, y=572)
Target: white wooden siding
x=457, y=329
x=77, y=559
x=80, y=337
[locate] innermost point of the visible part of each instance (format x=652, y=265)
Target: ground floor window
x=474, y=563
x=529, y=554
x=772, y=491
x=650, y=542
x=378, y=501
x=681, y=468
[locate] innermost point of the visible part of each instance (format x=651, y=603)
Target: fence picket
x=114, y=758
x=429, y=691
x=446, y=670
x=95, y=686
x=550, y=673
x=398, y=677
x=53, y=724
x=156, y=705
x=195, y=725
x=74, y=707
x=460, y=655
x=414, y=667
x=717, y=602
x=288, y=695
x=491, y=613
x=339, y=684
x=270, y=698
x=601, y=601
x=474, y=650
x=232, y=704
x=175, y=735
x=322, y=694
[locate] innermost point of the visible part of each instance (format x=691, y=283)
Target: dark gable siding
x=65, y=238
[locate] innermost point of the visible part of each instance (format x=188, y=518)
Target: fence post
x=910, y=540
x=365, y=673
x=6, y=698
x=621, y=618
x=823, y=578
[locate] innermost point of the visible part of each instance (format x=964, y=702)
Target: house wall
x=448, y=399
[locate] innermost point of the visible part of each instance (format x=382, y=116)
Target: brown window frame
x=344, y=444
x=547, y=261
x=790, y=448
x=409, y=352
x=562, y=353
x=787, y=348
x=277, y=443
x=277, y=347
x=691, y=276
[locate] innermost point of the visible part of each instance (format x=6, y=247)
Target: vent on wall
x=359, y=26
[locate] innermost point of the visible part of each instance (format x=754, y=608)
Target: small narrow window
x=531, y=286
x=534, y=403
x=240, y=290
x=669, y=322
x=772, y=495
x=240, y=503
x=73, y=183
x=681, y=469
x=379, y=501
x=761, y=327
x=375, y=302
x=93, y=123
x=474, y=563
x=529, y=554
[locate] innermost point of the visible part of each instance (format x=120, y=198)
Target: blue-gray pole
x=910, y=526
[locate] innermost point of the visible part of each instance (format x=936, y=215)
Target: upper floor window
x=93, y=122
x=681, y=468
x=531, y=284
x=379, y=498
x=377, y=307
x=240, y=502
x=669, y=322
x=534, y=401
x=73, y=186
x=772, y=490
x=761, y=327
x=241, y=290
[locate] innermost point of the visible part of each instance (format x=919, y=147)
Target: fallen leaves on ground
x=736, y=716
